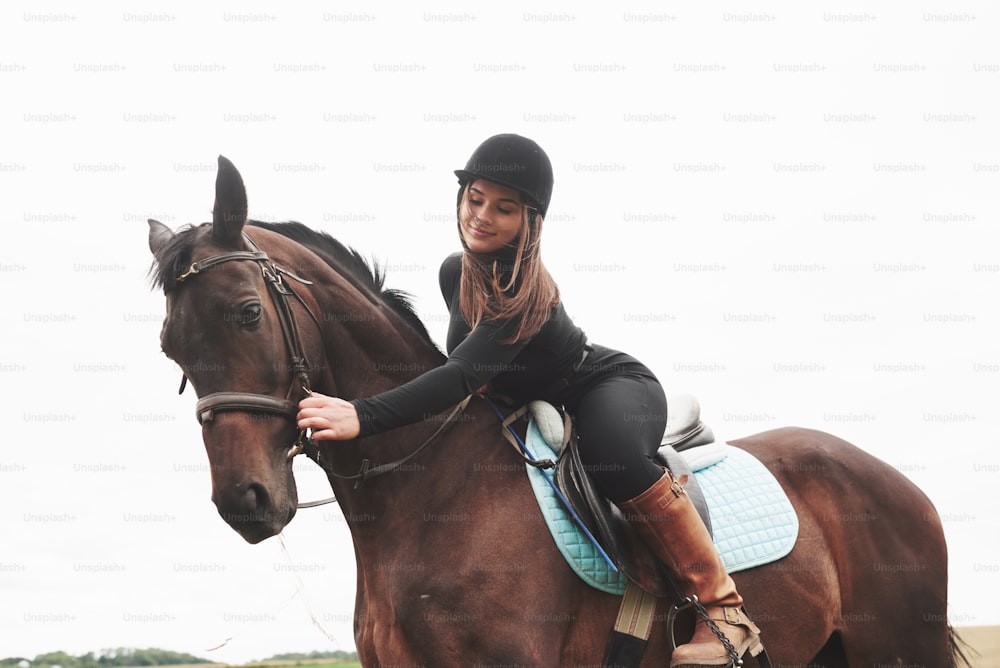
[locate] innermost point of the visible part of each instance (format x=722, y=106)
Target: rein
x=282, y=294
x=368, y=471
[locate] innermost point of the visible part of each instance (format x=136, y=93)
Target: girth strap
x=627, y=642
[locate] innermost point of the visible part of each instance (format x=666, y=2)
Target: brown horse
x=454, y=566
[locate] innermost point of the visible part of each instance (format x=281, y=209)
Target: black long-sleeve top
x=524, y=370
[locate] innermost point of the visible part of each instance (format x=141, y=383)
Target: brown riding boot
x=668, y=523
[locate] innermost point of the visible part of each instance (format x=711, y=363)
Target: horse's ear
x=230, y=211
x=159, y=236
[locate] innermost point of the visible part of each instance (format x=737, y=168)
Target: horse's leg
x=364, y=640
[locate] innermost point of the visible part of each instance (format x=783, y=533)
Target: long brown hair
x=529, y=292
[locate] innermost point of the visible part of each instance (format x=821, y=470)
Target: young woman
x=510, y=331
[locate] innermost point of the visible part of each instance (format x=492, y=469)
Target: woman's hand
x=330, y=418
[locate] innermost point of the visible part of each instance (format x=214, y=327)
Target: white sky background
x=787, y=209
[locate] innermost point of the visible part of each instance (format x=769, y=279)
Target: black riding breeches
x=620, y=411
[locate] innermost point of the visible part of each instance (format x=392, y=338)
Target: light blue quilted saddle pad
x=753, y=522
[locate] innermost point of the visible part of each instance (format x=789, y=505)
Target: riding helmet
x=514, y=161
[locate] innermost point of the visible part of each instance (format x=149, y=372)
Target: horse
x=454, y=564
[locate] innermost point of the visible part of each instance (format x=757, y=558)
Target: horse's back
x=822, y=472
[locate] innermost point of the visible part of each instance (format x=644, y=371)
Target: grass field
x=311, y=663
x=319, y=663
x=985, y=640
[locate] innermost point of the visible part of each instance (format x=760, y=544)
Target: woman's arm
x=474, y=363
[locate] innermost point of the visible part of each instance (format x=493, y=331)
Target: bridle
x=282, y=294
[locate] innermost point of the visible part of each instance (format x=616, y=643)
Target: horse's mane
x=175, y=257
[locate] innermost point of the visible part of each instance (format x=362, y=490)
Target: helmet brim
x=465, y=176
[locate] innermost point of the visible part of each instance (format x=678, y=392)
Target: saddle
x=603, y=518
x=641, y=578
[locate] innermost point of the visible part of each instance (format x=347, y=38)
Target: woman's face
x=493, y=217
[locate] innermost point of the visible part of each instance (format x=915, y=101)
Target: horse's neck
x=371, y=351
x=369, y=347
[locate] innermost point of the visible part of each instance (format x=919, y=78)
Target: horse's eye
x=250, y=314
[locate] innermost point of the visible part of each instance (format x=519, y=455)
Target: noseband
x=281, y=294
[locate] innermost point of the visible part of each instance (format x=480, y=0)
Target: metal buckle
x=192, y=270
x=677, y=485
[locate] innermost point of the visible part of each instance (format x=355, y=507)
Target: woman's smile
x=478, y=231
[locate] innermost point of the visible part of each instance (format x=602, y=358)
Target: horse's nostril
x=256, y=498
x=245, y=504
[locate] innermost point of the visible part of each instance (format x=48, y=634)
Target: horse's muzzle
x=249, y=509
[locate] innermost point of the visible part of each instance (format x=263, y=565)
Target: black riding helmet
x=514, y=161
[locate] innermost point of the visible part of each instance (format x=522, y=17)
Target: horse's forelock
x=173, y=258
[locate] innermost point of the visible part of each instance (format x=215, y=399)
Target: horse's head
x=229, y=331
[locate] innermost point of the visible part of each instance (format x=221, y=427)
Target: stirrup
x=735, y=660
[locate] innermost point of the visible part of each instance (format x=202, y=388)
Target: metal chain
x=693, y=602
x=703, y=613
